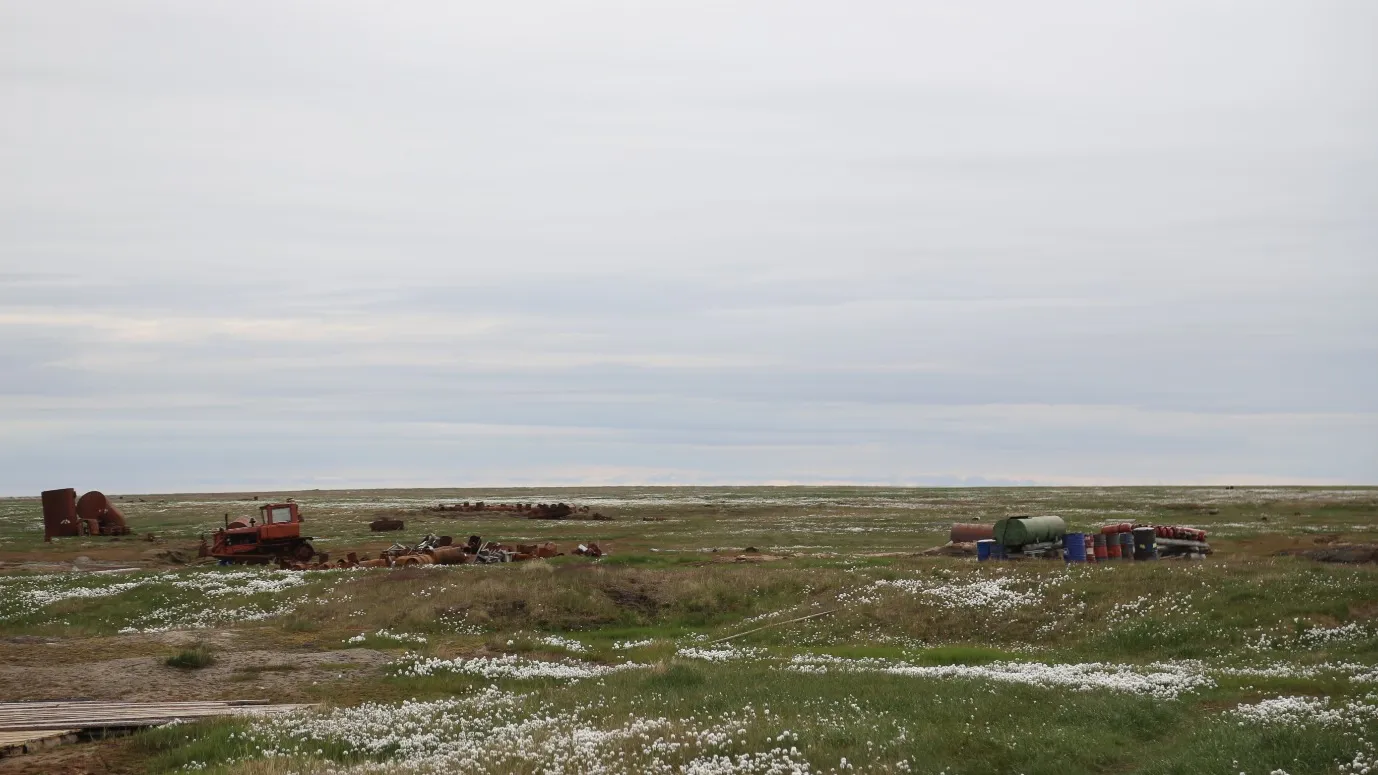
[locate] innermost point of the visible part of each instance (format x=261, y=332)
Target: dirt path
x=282, y=676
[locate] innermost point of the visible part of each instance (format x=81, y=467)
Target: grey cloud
x=880, y=242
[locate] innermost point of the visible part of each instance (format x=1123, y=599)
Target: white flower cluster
x=726, y=653
x=244, y=582
x=183, y=599
x=1317, y=636
x=497, y=731
x=625, y=645
x=506, y=666
x=998, y=594
x=1162, y=680
x=1306, y=711
x=568, y=644
x=385, y=634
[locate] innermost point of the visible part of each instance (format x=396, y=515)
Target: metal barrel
x=1098, y=547
x=1112, y=547
x=983, y=548
x=1074, y=547
x=1145, y=543
x=1126, y=546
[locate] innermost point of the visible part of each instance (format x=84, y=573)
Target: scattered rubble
x=528, y=510
x=441, y=550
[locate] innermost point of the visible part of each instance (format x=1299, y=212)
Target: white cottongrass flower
x=507, y=666
x=1162, y=680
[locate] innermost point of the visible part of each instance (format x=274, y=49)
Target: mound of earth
x=1346, y=553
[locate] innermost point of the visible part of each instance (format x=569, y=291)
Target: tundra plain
x=835, y=646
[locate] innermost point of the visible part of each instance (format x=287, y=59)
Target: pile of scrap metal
x=441, y=550
x=65, y=516
x=529, y=510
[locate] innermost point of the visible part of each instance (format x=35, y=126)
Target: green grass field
x=1246, y=662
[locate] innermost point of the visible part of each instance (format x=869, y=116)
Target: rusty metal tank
x=95, y=506
x=970, y=532
x=60, y=514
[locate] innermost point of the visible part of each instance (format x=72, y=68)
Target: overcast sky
x=271, y=243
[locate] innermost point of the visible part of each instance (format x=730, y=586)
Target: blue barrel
x=1074, y=546
x=1126, y=546
x=983, y=548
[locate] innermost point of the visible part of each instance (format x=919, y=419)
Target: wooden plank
x=16, y=743
x=21, y=716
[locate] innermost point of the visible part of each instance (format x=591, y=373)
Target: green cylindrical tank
x=1020, y=531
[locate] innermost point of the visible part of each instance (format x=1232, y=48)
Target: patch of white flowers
x=498, y=731
x=1001, y=594
x=626, y=645
x=568, y=644
x=1161, y=680
x=1307, y=711
x=181, y=599
x=385, y=634
x=506, y=666
x=727, y=653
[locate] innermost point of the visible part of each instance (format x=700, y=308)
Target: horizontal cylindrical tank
x=1020, y=531
x=968, y=532
x=450, y=555
x=94, y=505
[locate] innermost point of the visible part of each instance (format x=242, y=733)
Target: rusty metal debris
x=528, y=510
x=970, y=532
x=383, y=524
x=64, y=515
x=441, y=550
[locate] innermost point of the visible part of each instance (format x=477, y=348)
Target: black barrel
x=1145, y=547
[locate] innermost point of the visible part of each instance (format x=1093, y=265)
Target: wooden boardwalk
x=79, y=716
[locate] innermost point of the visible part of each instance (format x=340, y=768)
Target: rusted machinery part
x=378, y=563
x=383, y=524
x=304, y=551
x=60, y=514
x=969, y=532
x=415, y=559
x=450, y=555
x=94, y=505
x=238, y=523
x=548, y=550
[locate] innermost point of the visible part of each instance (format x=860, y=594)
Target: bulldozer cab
x=278, y=514
x=278, y=520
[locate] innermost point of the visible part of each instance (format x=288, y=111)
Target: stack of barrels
x=1122, y=541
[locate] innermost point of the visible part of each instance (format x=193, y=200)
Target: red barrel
x=1090, y=548
x=1112, y=548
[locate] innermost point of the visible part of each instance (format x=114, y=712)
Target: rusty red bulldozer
x=274, y=536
